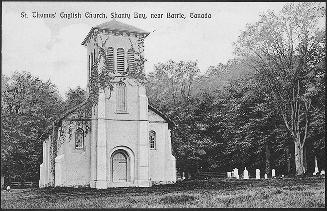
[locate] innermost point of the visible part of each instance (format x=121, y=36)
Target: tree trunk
x=267, y=159
x=299, y=167
x=288, y=157
x=305, y=165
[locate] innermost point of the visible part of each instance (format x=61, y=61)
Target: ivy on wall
x=102, y=74
x=101, y=77
x=139, y=61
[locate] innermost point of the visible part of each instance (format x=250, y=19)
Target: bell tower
x=116, y=47
x=123, y=44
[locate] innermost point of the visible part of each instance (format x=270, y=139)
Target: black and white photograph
x=163, y=105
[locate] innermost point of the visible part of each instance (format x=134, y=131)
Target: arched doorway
x=120, y=167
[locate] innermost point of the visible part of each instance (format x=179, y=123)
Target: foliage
x=28, y=105
x=139, y=60
x=101, y=72
x=170, y=88
x=75, y=97
x=230, y=116
x=285, y=50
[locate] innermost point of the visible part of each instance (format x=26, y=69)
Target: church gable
x=154, y=117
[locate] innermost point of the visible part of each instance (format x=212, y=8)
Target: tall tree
x=171, y=88
x=75, y=97
x=28, y=106
x=285, y=50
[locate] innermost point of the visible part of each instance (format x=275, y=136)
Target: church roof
x=62, y=116
x=116, y=26
x=69, y=111
x=170, y=122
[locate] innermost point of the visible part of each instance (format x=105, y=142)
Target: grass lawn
x=295, y=193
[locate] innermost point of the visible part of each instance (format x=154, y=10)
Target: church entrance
x=119, y=167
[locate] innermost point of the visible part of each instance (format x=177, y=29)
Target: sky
x=50, y=48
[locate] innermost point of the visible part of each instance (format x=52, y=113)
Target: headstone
x=229, y=174
x=236, y=173
x=245, y=174
x=316, y=167
x=322, y=172
x=183, y=177
x=257, y=173
x=273, y=173
x=266, y=176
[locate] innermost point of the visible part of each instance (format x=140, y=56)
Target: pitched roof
x=155, y=110
x=117, y=26
x=69, y=111
x=62, y=116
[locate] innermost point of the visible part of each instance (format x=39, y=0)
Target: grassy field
x=276, y=193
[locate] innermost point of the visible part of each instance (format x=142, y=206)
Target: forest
x=263, y=109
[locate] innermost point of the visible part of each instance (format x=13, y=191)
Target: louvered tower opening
x=110, y=59
x=131, y=60
x=120, y=60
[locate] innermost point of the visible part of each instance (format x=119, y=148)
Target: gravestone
x=266, y=176
x=236, y=173
x=316, y=167
x=229, y=174
x=245, y=174
x=273, y=173
x=257, y=173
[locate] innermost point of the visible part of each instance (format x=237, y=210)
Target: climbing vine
x=139, y=61
x=102, y=74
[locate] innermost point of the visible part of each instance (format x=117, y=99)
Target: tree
x=171, y=87
x=172, y=80
x=75, y=97
x=28, y=106
x=285, y=50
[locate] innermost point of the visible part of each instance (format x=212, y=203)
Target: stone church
x=119, y=140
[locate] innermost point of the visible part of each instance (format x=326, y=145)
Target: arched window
x=121, y=97
x=120, y=60
x=131, y=60
x=152, y=139
x=110, y=58
x=79, y=139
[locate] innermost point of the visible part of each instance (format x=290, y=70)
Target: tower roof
x=116, y=26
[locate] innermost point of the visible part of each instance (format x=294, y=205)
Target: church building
x=114, y=138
